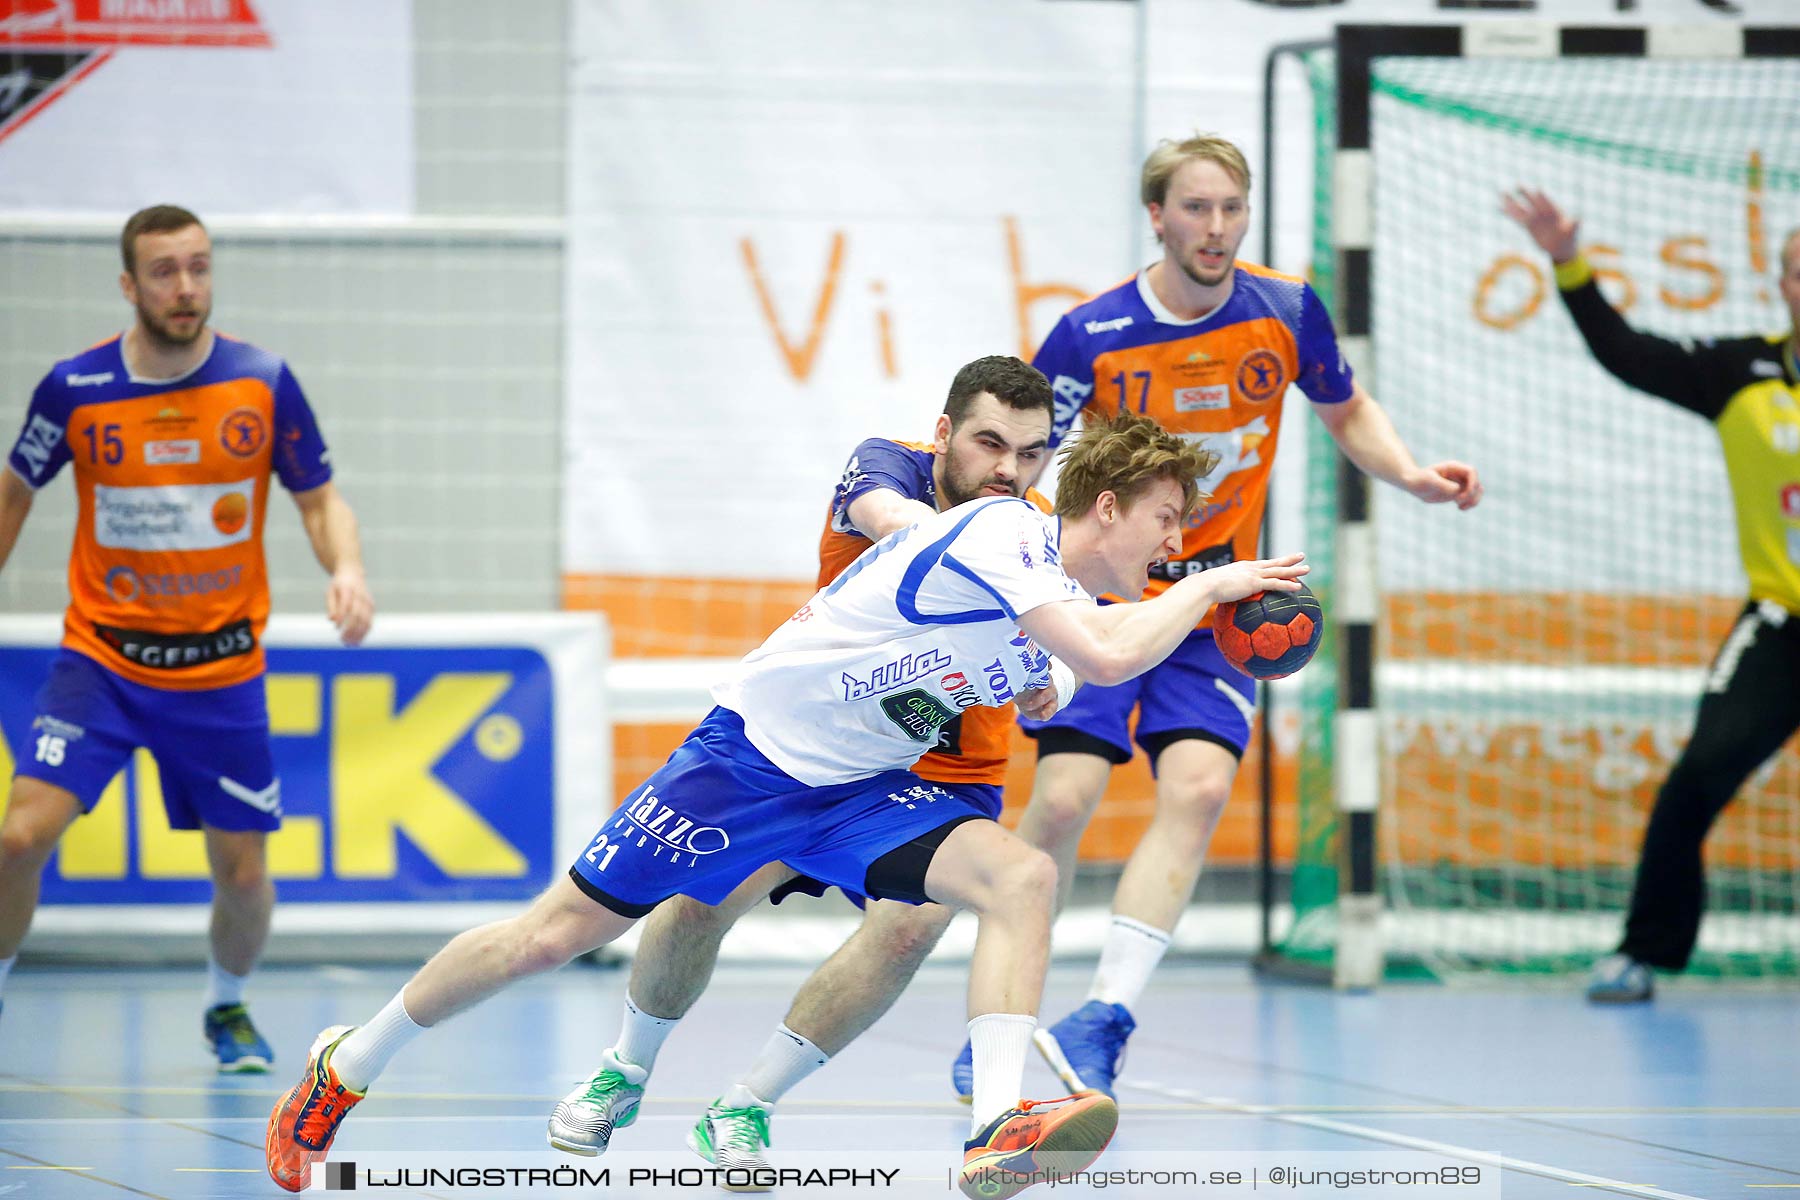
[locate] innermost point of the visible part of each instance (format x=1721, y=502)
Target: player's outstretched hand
x=350, y=606
x=1236, y=580
x=1553, y=231
x=1446, y=481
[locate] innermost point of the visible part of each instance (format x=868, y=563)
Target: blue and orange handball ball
x=1272, y=634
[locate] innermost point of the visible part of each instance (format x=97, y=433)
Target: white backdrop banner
x=791, y=222
x=225, y=106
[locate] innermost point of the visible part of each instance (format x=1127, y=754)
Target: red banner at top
x=81, y=24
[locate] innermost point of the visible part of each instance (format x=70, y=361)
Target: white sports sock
x=365, y=1054
x=739, y=1096
x=1131, y=953
x=786, y=1059
x=1000, y=1041
x=222, y=987
x=6, y=966
x=641, y=1035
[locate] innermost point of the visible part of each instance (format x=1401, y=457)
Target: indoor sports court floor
x=105, y=1088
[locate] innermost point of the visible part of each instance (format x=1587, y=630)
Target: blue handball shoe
x=962, y=1074
x=1086, y=1049
x=234, y=1041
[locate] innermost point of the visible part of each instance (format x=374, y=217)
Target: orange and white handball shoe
x=1035, y=1141
x=302, y=1125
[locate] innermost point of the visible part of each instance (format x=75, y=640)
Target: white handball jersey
x=922, y=626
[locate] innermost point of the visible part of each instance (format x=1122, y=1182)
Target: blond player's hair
x=1171, y=155
x=1127, y=455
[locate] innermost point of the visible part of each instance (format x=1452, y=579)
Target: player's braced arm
x=1641, y=360
x=877, y=513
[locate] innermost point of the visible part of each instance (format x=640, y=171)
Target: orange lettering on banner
x=799, y=359
x=1626, y=289
x=1484, y=311
x=1027, y=294
x=1753, y=213
x=884, y=332
x=1715, y=278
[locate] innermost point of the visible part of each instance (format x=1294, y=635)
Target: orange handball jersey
x=1218, y=380
x=975, y=746
x=167, y=585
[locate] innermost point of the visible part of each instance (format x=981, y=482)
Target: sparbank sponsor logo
x=128, y=586
x=891, y=675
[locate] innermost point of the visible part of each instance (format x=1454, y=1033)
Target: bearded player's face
x=998, y=450
x=171, y=285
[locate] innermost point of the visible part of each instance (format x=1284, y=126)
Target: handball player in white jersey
x=804, y=762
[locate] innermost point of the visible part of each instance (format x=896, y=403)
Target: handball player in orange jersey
x=174, y=432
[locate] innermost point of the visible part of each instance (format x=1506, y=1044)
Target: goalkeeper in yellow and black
x=1749, y=388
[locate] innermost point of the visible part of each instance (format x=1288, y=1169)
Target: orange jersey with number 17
x=1218, y=380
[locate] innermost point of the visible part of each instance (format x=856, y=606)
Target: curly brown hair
x=1126, y=455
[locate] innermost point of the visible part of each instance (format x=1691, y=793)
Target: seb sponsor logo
x=1790, y=501
x=891, y=675
x=198, y=516
x=1212, y=398
x=176, y=452
x=128, y=586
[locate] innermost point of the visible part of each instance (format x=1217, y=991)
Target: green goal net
x=1541, y=657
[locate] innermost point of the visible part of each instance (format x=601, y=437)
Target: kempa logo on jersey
x=127, y=586
x=1116, y=323
x=656, y=821
x=898, y=673
x=54, y=44
x=95, y=380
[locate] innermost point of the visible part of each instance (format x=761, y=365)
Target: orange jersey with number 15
x=167, y=584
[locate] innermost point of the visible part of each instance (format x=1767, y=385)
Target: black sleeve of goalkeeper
x=1699, y=376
